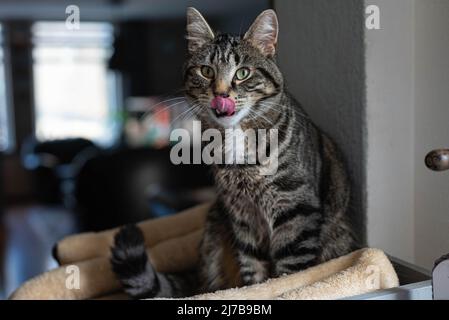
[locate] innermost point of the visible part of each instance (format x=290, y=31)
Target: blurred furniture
x=107, y=188
x=131, y=185
x=54, y=165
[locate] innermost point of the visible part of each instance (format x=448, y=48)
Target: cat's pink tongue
x=223, y=106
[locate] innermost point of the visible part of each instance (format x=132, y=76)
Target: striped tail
x=130, y=263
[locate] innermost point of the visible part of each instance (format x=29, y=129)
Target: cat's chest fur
x=247, y=196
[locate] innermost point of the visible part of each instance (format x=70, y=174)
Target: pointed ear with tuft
x=263, y=33
x=198, y=31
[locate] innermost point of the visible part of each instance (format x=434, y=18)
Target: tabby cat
x=261, y=226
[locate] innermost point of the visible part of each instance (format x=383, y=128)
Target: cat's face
x=228, y=78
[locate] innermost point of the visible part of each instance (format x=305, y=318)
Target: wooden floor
x=27, y=236
x=2, y=255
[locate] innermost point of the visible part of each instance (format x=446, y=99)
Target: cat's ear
x=198, y=31
x=263, y=33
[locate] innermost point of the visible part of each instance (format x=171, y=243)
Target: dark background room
x=85, y=118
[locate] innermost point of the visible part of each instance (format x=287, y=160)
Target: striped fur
x=260, y=226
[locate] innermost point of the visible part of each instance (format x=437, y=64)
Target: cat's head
x=232, y=78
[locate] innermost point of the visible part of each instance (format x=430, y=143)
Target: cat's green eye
x=242, y=73
x=207, y=72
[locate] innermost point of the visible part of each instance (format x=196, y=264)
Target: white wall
x=407, y=71
x=390, y=126
x=431, y=128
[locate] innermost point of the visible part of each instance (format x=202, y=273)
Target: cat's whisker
x=191, y=113
x=195, y=113
x=185, y=112
x=259, y=115
x=296, y=120
x=151, y=108
x=149, y=117
x=269, y=104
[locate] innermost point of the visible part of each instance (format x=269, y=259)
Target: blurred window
x=6, y=135
x=75, y=94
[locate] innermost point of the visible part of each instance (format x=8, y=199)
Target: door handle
x=438, y=160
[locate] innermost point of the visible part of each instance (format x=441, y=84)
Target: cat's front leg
x=252, y=254
x=296, y=241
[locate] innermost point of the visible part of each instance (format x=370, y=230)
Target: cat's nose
x=223, y=95
x=221, y=88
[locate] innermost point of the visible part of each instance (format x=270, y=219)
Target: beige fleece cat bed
x=173, y=242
